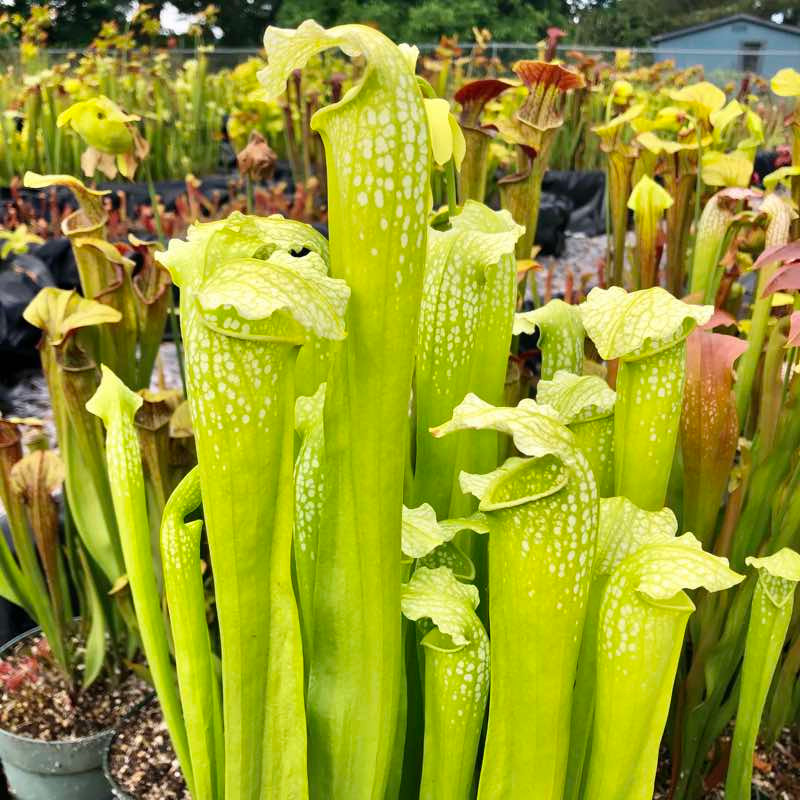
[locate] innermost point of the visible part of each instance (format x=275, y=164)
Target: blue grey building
x=735, y=44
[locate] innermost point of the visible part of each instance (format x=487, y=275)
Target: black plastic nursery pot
x=41, y=770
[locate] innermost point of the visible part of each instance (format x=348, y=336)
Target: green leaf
x=649, y=197
x=721, y=118
x=703, y=98
x=682, y=564
x=247, y=292
x=422, y=533
x=194, y=658
x=561, y=336
x=778, y=574
x=116, y=405
x=90, y=200
x=309, y=496
x=782, y=176
x=646, y=330
x=450, y=555
x=577, y=398
x=612, y=127
x=726, y=169
x=101, y=123
x=34, y=479
x=95, y=655
x=537, y=430
x=712, y=228
x=657, y=145
x=586, y=405
x=779, y=215
x=786, y=82
x=648, y=201
x=447, y=140
x=58, y=313
x=14, y=585
x=210, y=244
x=516, y=482
x=450, y=605
x=625, y=528
x=107, y=276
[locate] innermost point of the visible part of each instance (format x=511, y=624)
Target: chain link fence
x=506, y=52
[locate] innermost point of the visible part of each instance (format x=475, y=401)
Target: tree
x=75, y=23
x=426, y=20
x=242, y=22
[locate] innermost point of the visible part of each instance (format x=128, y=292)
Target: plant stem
x=450, y=176
x=173, y=321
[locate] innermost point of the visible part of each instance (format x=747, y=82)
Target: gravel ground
x=29, y=397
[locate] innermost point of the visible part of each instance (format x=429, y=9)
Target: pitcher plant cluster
x=387, y=570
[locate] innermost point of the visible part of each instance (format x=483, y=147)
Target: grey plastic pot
x=38, y=770
x=116, y=789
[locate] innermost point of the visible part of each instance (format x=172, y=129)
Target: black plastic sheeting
x=584, y=192
x=571, y=202
x=21, y=278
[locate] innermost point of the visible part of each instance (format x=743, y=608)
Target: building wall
x=733, y=35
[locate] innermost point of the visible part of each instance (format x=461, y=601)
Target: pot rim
x=83, y=740
x=128, y=717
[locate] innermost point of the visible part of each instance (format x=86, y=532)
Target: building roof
x=765, y=23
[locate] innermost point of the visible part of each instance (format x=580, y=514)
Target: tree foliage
x=596, y=22
x=427, y=20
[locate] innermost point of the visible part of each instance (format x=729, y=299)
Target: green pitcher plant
x=561, y=336
x=429, y=548
x=309, y=494
x=352, y=571
x=647, y=331
x=464, y=336
x=456, y=679
x=117, y=405
x=246, y=304
x=27, y=484
x=542, y=517
x=621, y=153
x=643, y=617
x=648, y=201
x=786, y=83
x=128, y=345
x=69, y=363
x=586, y=406
x=770, y=615
x=623, y=529
x=677, y=166
x=378, y=158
